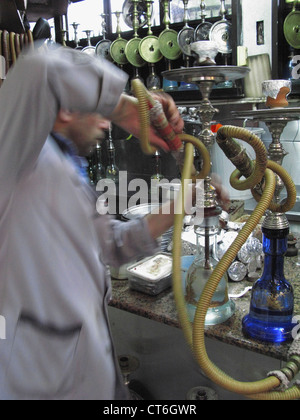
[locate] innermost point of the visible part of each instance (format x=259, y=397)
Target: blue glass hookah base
x=268, y=331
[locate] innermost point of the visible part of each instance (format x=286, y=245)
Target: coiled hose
x=261, y=169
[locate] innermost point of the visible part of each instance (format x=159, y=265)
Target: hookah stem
x=207, y=244
x=135, y=21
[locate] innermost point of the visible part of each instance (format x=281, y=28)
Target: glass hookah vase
x=221, y=307
x=272, y=302
x=98, y=168
x=112, y=171
x=157, y=176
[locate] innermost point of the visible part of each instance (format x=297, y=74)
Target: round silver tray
x=269, y=114
x=215, y=73
x=138, y=211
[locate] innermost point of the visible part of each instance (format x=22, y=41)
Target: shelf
x=10, y=18
x=21, y=4
x=46, y=9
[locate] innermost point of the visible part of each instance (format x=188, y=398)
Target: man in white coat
x=54, y=246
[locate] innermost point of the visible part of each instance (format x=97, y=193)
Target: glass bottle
x=156, y=177
x=153, y=80
x=90, y=160
x=205, y=261
x=272, y=302
x=98, y=168
x=112, y=171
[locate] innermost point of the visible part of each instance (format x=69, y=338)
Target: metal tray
x=143, y=283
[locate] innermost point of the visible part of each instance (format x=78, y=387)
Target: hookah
x=153, y=80
x=103, y=47
x=291, y=27
x=185, y=39
x=76, y=41
x=169, y=47
x=206, y=230
x=271, y=309
x=63, y=37
x=128, y=13
x=168, y=43
x=220, y=33
x=112, y=171
x=89, y=49
x=221, y=308
x=157, y=176
x=132, y=47
x=117, y=48
x=254, y=172
x=98, y=168
x=187, y=33
x=149, y=46
x=203, y=30
x=150, y=52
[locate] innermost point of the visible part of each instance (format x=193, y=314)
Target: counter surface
x=162, y=309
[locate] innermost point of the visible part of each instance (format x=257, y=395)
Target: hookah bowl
x=276, y=92
x=206, y=52
x=272, y=302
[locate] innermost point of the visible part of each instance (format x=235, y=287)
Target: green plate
x=132, y=53
x=149, y=49
x=168, y=44
x=117, y=51
x=291, y=29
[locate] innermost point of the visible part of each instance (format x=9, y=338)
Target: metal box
x=151, y=275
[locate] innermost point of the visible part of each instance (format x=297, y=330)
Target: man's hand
x=126, y=116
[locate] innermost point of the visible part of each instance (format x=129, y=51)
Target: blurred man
x=54, y=246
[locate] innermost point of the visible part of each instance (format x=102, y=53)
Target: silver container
x=151, y=275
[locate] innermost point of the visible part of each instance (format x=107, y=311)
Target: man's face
x=86, y=130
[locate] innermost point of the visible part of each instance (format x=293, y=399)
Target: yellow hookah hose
x=195, y=335
x=259, y=389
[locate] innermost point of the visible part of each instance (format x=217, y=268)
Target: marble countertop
x=161, y=308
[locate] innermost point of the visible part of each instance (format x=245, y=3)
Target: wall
x=255, y=11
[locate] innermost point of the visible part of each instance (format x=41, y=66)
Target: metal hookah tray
x=202, y=73
x=151, y=275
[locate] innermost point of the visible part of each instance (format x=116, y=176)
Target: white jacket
x=54, y=247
